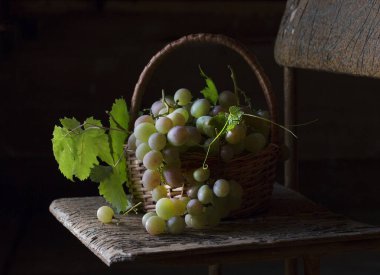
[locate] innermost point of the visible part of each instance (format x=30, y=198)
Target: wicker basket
x=256, y=173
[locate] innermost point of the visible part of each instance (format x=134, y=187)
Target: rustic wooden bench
x=292, y=227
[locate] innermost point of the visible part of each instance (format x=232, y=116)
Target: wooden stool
x=333, y=36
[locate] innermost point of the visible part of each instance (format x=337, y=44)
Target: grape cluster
x=176, y=125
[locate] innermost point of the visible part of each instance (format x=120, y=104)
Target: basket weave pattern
x=255, y=173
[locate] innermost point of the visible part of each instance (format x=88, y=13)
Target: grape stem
x=93, y=126
x=132, y=208
x=236, y=88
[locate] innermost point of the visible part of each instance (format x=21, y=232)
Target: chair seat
x=293, y=226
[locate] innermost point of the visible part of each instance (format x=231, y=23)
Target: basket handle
x=205, y=38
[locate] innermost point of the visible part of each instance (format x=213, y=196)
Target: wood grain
x=337, y=36
x=292, y=226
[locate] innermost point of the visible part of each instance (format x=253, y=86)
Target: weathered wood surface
x=292, y=226
x=338, y=36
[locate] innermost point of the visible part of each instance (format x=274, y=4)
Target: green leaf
x=234, y=118
x=100, y=173
x=119, y=119
x=112, y=190
x=209, y=92
x=219, y=121
x=69, y=123
x=64, y=151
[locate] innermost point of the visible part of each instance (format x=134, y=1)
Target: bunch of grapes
x=174, y=126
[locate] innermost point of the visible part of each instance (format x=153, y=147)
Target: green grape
x=221, y=188
x=147, y=216
x=255, y=142
x=194, y=136
x=157, y=106
x=178, y=135
x=227, y=152
x=159, y=192
x=176, y=225
x=185, y=201
x=132, y=143
x=183, y=112
x=157, y=141
x=171, y=156
x=151, y=179
x=182, y=96
x=180, y=206
x=200, y=107
x=218, y=109
x=200, y=122
x=199, y=221
x=188, y=220
x=205, y=194
x=165, y=111
x=201, y=174
x=194, y=207
x=163, y=125
x=144, y=130
x=142, y=150
x=177, y=118
x=153, y=159
x=173, y=176
x=165, y=208
x=227, y=99
x=155, y=225
x=213, y=216
x=192, y=192
x=105, y=214
x=236, y=135
x=138, y=142
x=144, y=118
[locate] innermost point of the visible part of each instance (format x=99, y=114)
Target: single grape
x=194, y=136
x=236, y=135
x=218, y=109
x=165, y=208
x=151, y=179
x=144, y=118
x=170, y=100
x=155, y=225
x=180, y=206
x=182, y=96
x=227, y=152
x=156, y=107
x=147, y=216
x=255, y=142
x=142, y=150
x=205, y=194
x=199, y=123
x=153, y=159
x=157, y=141
x=192, y=192
x=163, y=125
x=144, y=130
x=201, y=174
x=159, y=192
x=183, y=112
x=132, y=143
x=188, y=220
x=199, y=221
x=171, y=157
x=176, y=225
x=177, y=118
x=178, y=135
x=200, y=107
x=227, y=99
x=222, y=206
x=105, y=214
x=221, y=188
x=138, y=142
x=194, y=207
x=173, y=176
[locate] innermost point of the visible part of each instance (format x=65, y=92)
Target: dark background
x=73, y=58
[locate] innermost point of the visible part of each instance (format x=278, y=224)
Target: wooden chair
x=333, y=36
x=315, y=35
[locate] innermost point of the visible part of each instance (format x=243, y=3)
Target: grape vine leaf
x=234, y=118
x=219, y=121
x=209, y=92
x=111, y=188
x=64, y=151
x=70, y=123
x=100, y=173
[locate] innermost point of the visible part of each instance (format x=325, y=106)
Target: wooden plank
x=336, y=36
x=291, y=226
